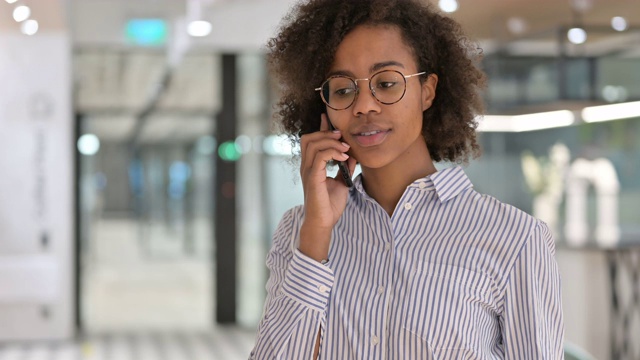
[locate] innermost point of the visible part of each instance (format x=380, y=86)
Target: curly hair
x=301, y=55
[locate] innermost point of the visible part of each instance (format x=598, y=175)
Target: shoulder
x=506, y=231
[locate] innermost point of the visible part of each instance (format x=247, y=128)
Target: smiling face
x=382, y=135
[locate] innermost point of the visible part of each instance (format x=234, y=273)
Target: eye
x=344, y=91
x=386, y=84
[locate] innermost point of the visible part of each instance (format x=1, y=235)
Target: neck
x=387, y=184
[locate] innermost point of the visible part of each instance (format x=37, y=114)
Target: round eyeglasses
x=387, y=87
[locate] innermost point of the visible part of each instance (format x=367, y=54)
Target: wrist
x=315, y=242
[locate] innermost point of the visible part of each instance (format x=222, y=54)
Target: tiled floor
x=224, y=343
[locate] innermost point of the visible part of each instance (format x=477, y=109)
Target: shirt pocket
x=448, y=307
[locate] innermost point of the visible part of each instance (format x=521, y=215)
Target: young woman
x=410, y=262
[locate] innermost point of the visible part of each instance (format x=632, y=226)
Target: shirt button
x=323, y=289
x=422, y=185
x=387, y=247
x=407, y=206
x=381, y=290
x=374, y=340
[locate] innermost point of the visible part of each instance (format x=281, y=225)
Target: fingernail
x=345, y=156
x=346, y=145
x=336, y=131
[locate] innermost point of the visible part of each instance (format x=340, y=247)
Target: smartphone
x=342, y=165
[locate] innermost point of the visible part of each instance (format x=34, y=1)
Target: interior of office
x=142, y=175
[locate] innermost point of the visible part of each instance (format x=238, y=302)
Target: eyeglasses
x=387, y=87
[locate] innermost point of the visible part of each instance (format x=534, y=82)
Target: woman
x=410, y=262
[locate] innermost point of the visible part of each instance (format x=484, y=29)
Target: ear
x=429, y=91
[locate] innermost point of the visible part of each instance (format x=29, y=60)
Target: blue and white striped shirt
x=452, y=274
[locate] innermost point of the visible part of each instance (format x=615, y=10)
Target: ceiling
x=114, y=81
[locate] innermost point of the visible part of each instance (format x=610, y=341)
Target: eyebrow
x=375, y=67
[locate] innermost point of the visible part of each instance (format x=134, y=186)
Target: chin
x=373, y=163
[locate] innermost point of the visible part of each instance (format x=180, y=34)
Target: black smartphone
x=342, y=165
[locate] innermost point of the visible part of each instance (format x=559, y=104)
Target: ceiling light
x=199, y=28
x=619, y=23
x=528, y=122
x=11, y=1
x=29, y=27
x=448, y=5
x=88, y=144
x=516, y=25
x=577, y=35
x=21, y=13
x=611, y=112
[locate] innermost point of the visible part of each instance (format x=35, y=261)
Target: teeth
x=370, y=133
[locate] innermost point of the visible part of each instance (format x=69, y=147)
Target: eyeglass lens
x=339, y=92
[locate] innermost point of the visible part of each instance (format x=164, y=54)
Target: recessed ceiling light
x=21, y=13
x=29, y=27
x=448, y=5
x=577, y=35
x=199, y=28
x=516, y=25
x=88, y=144
x=619, y=23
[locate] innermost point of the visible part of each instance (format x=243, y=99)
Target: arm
x=297, y=294
x=299, y=285
x=532, y=324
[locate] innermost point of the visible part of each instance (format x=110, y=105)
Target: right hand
x=325, y=198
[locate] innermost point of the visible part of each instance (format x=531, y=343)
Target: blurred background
x=141, y=176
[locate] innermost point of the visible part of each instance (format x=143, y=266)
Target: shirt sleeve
x=298, y=291
x=532, y=320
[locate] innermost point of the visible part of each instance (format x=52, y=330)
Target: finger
x=322, y=144
x=307, y=139
x=319, y=166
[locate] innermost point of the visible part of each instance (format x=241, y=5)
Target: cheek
x=337, y=119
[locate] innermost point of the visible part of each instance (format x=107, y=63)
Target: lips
x=370, y=137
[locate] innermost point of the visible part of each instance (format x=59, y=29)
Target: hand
x=325, y=198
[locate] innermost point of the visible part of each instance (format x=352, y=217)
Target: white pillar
x=36, y=185
x=602, y=175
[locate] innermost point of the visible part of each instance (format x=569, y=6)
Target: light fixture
x=577, y=35
x=88, y=144
x=21, y=13
x=611, y=112
x=619, y=23
x=448, y=6
x=29, y=27
x=528, y=122
x=199, y=28
x=11, y=1
x=516, y=25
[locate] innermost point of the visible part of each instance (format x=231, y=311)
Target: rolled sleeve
x=308, y=282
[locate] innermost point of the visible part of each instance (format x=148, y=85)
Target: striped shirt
x=452, y=274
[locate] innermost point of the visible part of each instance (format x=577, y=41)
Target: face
x=379, y=134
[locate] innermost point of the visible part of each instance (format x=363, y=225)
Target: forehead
x=368, y=45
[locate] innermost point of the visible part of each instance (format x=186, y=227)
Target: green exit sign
x=147, y=32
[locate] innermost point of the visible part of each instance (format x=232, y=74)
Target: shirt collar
x=447, y=183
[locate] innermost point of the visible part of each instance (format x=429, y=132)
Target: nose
x=365, y=102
